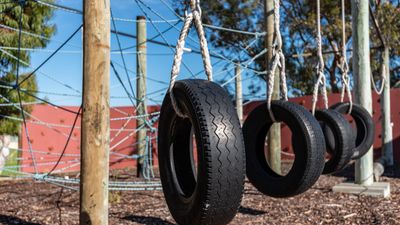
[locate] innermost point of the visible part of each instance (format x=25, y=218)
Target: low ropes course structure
x=279, y=60
x=204, y=154
x=59, y=165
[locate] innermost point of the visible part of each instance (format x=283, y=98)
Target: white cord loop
x=321, y=81
x=344, y=67
x=383, y=80
x=278, y=60
x=195, y=15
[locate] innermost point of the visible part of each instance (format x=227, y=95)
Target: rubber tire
x=308, y=143
x=215, y=194
x=339, y=139
x=365, y=127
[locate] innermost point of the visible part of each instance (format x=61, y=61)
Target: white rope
x=36, y=35
x=193, y=16
x=344, y=67
x=320, y=67
x=215, y=53
x=278, y=60
x=113, y=52
x=45, y=75
x=383, y=80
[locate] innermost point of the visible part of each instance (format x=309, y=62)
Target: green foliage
x=241, y=15
x=388, y=18
x=28, y=88
x=35, y=20
x=12, y=163
x=299, y=31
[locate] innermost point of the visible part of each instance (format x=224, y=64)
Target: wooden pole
x=273, y=152
x=95, y=135
x=387, y=135
x=362, y=81
x=141, y=73
x=239, y=92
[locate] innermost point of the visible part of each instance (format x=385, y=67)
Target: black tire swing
x=308, y=145
x=210, y=191
x=337, y=130
x=364, y=132
x=307, y=138
x=339, y=139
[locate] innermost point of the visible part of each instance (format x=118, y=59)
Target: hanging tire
x=211, y=192
x=365, y=127
x=339, y=139
x=308, y=144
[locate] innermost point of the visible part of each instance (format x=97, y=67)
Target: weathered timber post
x=273, y=153
x=95, y=134
x=239, y=92
x=362, y=81
x=141, y=73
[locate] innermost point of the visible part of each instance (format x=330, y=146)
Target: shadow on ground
x=14, y=220
x=147, y=220
x=250, y=211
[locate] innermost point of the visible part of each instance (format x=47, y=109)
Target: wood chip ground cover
x=28, y=202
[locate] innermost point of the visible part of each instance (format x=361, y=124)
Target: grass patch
x=12, y=165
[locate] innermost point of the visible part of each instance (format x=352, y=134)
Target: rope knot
x=39, y=176
x=278, y=61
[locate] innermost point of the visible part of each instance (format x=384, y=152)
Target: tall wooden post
x=95, y=135
x=362, y=81
x=239, y=92
x=387, y=135
x=141, y=73
x=273, y=153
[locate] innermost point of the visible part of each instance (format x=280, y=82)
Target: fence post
x=95, y=136
x=387, y=135
x=362, y=81
x=141, y=73
x=273, y=153
x=239, y=92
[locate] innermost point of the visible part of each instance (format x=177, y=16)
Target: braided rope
x=278, y=61
x=344, y=66
x=203, y=44
x=383, y=80
x=195, y=15
x=321, y=81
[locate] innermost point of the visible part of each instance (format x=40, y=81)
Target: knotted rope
x=278, y=60
x=344, y=67
x=193, y=16
x=321, y=81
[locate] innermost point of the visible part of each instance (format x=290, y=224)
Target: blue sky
x=66, y=66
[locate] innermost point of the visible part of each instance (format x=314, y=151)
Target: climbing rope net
x=59, y=161
x=52, y=165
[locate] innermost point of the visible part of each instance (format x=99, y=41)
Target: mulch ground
x=26, y=202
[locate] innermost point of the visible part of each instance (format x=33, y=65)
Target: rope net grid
x=49, y=164
x=124, y=131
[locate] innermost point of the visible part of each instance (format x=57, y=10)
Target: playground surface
x=26, y=202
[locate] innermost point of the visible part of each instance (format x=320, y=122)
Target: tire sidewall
x=255, y=130
x=365, y=127
x=186, y=207
x=342, y=138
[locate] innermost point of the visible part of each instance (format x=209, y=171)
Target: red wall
x=51, y=139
